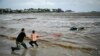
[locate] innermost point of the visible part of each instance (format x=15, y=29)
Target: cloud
x=37, y=4
x=64, y=4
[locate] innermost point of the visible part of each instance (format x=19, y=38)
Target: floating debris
x=30, y=18
x=3, y=36
x=81, y=28
x=73, y=28
x=77, y=28
x=3, y=27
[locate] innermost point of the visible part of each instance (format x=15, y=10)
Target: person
x=33, y=39
x=19, y=40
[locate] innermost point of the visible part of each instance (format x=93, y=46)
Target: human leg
x=24, y=45
x=31, y=43
x=17, y=46
x=35, y=42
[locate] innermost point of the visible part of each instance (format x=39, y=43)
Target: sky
x=75, y=5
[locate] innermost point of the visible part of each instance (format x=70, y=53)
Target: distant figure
x=33, y=39
x=19, y=40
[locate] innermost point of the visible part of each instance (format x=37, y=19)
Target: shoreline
x=46, y=46
x=97, y=14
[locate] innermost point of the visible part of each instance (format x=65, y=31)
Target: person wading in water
x=33, y=39
x=19, y=40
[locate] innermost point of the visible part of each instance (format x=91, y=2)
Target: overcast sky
x=75, y=5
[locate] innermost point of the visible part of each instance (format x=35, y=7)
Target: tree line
x=32, y=10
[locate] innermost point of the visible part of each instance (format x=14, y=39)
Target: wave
x=3, y=27
x=96, y=23
x=3, y=36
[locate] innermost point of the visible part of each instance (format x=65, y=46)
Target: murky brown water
x=56, y=29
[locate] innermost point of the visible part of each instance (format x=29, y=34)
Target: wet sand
x=47, y=47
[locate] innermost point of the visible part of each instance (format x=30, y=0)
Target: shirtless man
x=34, y=38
